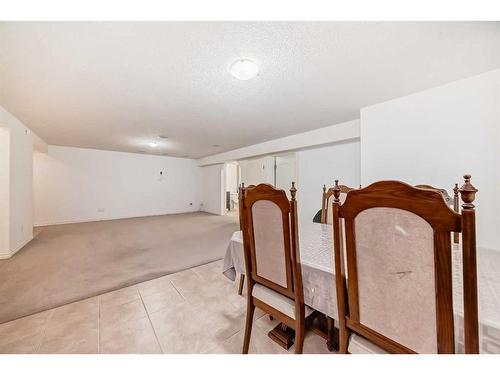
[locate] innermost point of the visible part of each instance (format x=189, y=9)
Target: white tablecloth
x=316, y=253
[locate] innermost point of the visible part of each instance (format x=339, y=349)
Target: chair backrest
x=327, y=200
x=270, y=238
x=399, y=270
x=448, y=199
x=446, y=196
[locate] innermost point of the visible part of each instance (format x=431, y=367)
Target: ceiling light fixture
x=153, y=144
x=244, y=69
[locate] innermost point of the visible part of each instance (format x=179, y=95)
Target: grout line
x=150, y=322
x=234, y=334
x=177, y=290
x=223, y=342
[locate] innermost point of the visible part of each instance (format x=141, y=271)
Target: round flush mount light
x=153, y=144
x=244, y=69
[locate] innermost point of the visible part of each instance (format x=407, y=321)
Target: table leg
x=282, y=335
x=240, y=288
x=324, y=326
x=332, y=342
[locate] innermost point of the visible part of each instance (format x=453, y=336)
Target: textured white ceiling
x=117, y=86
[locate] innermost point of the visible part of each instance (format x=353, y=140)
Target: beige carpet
x=66, y=263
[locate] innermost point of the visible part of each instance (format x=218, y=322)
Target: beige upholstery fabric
x=359, y=345
x=269, y=241
x=329, y=211
x=395, y=263
x=278, y=301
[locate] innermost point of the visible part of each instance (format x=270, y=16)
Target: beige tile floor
x=193, y=311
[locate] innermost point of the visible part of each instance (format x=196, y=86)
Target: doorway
x=232, y=181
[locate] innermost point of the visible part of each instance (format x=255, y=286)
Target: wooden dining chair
x=272, y=260
x=396, y=295
x=327, y=199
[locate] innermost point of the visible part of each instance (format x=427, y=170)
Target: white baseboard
x=88, y=220
x=11, y=254
x=212, y=213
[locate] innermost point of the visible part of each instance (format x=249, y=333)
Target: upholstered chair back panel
x=395, y=271
x=269, y=242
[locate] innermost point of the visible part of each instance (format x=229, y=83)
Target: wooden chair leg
x=300, y=332
x=242, y=281
x=343, y=339
x=248, y=326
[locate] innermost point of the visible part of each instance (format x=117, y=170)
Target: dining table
x=318, y=277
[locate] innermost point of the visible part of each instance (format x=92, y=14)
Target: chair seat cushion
x=360, y=345
x=276, y=300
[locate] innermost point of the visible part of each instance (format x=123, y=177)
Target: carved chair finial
x=293, y=190
x=336, y=192
x=243, y=190
x=324, y=189
x=468, y=193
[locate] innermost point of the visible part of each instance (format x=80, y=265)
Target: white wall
x=212, y=166
x=323, y=165
x=257, y=171
x=21, y=188
x=314, y=138
x=285, y=171
x=20, y=218
x=75, y=184
x=434, y=137
x=213, y=184
x=4, y=190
